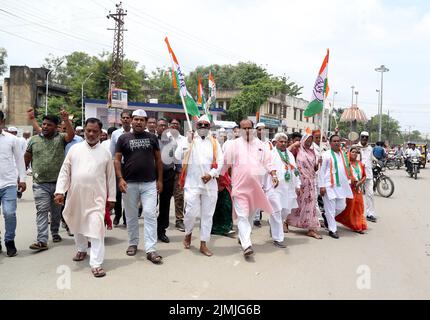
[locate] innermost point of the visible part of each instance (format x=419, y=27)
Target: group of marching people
x=221, y=180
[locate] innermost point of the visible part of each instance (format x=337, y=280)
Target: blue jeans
x=8, y=202
x=44, y=200
x=146, y=192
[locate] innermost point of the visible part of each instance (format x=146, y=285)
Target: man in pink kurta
x=249, y=161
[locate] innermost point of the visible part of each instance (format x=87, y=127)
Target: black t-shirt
x=138, y=153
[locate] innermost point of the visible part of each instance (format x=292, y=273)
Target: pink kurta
x=249, y=161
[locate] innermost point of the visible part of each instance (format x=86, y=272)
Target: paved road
x=392, y=261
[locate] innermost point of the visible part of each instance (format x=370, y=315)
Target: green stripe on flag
x=314, y=108
x=191, y=105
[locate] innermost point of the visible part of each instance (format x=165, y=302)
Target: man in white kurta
x=88, y=177
x=334, y=183
x=200, y=189
x=367, y=158
x=283, y=198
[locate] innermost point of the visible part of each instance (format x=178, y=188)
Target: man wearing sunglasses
x=202, y=162
x=366, y=153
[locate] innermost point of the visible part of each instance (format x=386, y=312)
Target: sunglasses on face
x=203, y=125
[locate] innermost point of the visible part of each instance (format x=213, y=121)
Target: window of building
x=227, y=105
x=275, y=109
x=301, y=115
x=295, y=114
x=284, y=112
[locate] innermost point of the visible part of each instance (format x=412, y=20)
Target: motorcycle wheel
x=415, y=175
x=391, y=165
x=385, y=187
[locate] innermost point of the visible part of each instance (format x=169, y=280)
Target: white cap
x=204, y=118
x=12, y=129
x=260, y=124
x=104, y=130
x=139, y=113
x=364, y=134
x=79, y=128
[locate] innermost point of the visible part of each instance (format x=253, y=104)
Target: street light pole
x=82, y=96
x=331, y=111
x=47, y=82
x=379, y=111
x=381, y=69
x=352, y=96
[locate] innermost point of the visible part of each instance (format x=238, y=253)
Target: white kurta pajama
x=367, y=159
x=335, y=197
x=200, y=198
x=283, y=198
x=88, y=177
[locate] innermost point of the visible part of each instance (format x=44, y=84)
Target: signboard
x=119, y=98
x=269, y=122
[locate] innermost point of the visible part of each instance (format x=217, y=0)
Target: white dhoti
x=244, y=224
x=332, y=208
x=97, y=251
x=201, y=204
x=369, y=201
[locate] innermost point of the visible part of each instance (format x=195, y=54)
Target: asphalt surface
x=391, y=261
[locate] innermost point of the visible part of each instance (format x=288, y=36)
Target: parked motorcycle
x=381, y=183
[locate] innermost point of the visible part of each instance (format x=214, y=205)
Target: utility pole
x=116, y=75
x=382, y=69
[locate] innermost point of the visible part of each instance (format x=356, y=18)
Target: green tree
x=3, y=56
x=77, y=66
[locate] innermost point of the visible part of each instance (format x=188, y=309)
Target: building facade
x=280, y=113
x=25, y=88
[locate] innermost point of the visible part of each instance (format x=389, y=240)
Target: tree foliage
x=390, y=129
x=3, y=56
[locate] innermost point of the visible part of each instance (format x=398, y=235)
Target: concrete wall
x=21, y=95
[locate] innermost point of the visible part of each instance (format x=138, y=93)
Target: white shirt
x=11, y=158
x=334, y=192
x=106, y=144
x=114, y=139
x=200, y=162
x=367, y=159
x=413, y=153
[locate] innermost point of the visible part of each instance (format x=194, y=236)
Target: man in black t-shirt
x=140, y=178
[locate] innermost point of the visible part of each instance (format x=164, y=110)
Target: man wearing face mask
x=88, y=177
x=202, y=163
x=249, y=161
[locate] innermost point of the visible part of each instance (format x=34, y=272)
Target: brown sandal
x=98, y=272
x=154, y=257
x=80, y=256
x=131, y=250
x=313, y=234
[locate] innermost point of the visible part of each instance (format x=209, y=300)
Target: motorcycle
x=414, y=167
x=391, y=163
x=381, y=183
x=400, y=161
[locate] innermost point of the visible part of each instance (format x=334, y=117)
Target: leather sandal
x=131, y=250
x=154, y=257
x=80, y=256
x=98, y=272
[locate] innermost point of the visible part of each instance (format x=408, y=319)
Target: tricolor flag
x=320, y=92
x=179, y=78
x=212, y=91
x=202, y=99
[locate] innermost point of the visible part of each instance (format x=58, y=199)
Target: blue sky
x=288, y=37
